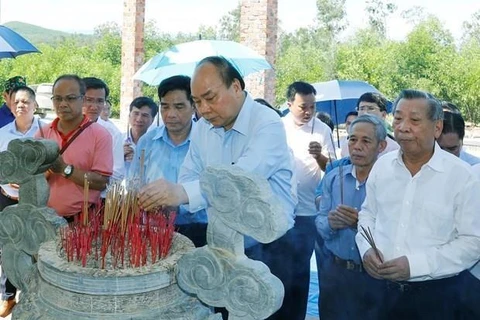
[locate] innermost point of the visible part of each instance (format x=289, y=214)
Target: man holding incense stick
x=420, y=216
x=234, y=130
x=346, y=290
x=165, y=148
x=310, y=141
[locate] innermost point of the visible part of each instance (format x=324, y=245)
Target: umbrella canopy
x=182, y=59
x=339, y=97
x=12, y=44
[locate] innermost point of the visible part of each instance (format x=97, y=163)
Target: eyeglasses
x=368, y=108
x=67, y=99
x=99, y=101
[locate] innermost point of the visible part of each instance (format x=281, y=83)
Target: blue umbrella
x=12, y=44
x=182, y=59
x=339, y=97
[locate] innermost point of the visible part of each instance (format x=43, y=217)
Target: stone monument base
x=58, y=289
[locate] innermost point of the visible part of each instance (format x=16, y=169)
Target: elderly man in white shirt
x=422, y=210
x=312, y=146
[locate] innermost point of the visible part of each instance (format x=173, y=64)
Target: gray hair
x=435, y=110
x=378, y=124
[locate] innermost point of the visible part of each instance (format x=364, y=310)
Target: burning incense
x=367, y=235
x=313, y=125
x=333, y=144
x=86, y=186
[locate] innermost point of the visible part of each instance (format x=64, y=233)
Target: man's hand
x=335, y=222
x=315, y=149
x=58, y=166
x=128, y=152
x=372, y=263
x=161, y=193
x=348, y=215
x=397, y=269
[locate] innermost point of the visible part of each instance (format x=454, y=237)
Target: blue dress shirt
x=340, y=242
x=163, y=160
x=6, y=116
x=330, y=166
x=256, y=143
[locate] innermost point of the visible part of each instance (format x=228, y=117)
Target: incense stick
x=86, y=186
x=340, y=172
x=333, y=144
x=367, y=234
x=313, y=124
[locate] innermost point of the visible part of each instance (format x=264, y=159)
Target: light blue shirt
x=163, y=160
x=256, y=143
x=9, y=132
x=469, y=158
x=330, y=166
x=340, y=242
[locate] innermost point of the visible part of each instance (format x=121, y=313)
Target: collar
x=291, y=123
x=162, y=133
x=242, y=122
x=64, y=137
x=435, y=162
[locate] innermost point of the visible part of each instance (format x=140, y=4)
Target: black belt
x=347, y=264
x=415, y=286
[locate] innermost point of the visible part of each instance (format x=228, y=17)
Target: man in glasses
x=94, y=102
x=86, y=150
x=376, y=104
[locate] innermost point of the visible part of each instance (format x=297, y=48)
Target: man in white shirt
x=376, y=104
x=311, y=142
x=451, y=139
x=422, y=210
x=140, y=118
x=95, y=100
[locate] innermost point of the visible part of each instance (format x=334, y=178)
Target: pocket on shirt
x=435, y=222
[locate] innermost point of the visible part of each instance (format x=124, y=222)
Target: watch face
x=67, y=170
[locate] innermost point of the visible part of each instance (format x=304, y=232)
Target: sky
x=187, y=15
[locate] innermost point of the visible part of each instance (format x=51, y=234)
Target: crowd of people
x=391, y=217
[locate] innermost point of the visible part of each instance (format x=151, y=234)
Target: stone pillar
x=132, y=53
x=259, y=31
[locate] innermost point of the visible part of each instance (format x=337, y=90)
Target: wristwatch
x=68, y=170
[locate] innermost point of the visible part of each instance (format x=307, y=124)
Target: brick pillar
x=258, y=30
x=132, y=53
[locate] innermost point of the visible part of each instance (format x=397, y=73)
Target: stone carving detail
x=220, y=274
x=25, y=226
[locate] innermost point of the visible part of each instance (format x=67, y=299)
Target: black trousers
x=469, y=293
x=197, y=232
x=424, y=300
x=348, y=294
x=8, y=290
x=289, y=259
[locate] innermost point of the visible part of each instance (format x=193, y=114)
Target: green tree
x=378, y=11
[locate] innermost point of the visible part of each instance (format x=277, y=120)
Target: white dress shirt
x=117, y=144
x=306, y=167
x=431, y=218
